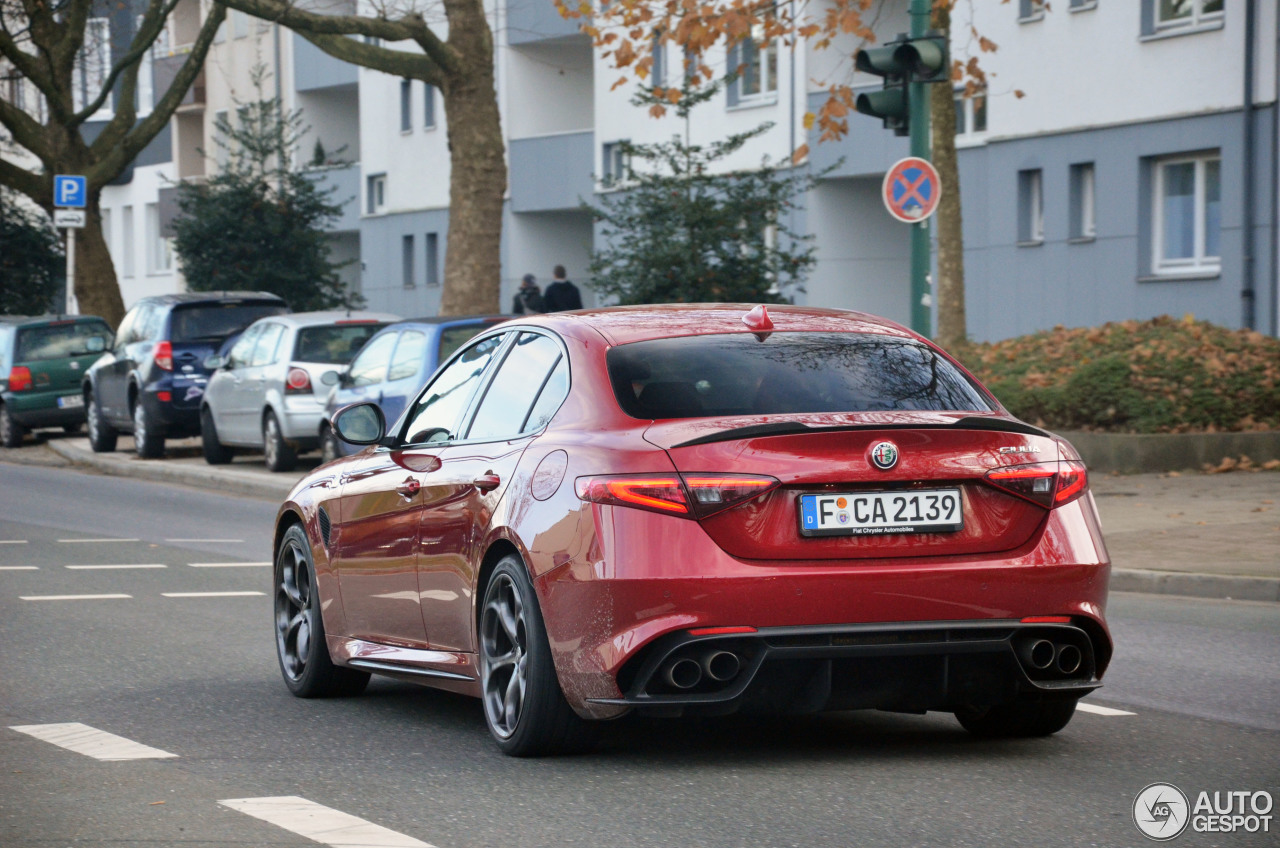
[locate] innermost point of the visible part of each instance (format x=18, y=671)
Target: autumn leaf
x=801, y=152
x=809, y=119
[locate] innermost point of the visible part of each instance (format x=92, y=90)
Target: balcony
x=530, y=21
x=166, y=68
x=315, y=70
x=551, y=172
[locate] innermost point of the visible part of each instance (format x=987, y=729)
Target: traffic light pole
x=918, y=100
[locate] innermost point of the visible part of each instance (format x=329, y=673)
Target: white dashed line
x=209, y=541
x=229, y=564
x=112, y=567
x=321, y=824
x=71, y=597
x=92, y=541
x=13, y=541
x=19, y=568
x=91, y=742
x=1102, y=711
x=210, y=594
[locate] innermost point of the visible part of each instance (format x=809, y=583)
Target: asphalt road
x=185, y=664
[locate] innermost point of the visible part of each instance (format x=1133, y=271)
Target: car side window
x=148, y=326
x=410, y=352
x=265, y=349
x=370, y=365
x=125, y=333
x=439, y=409
x=553, y=393
x=242, y=351
x=514, y=388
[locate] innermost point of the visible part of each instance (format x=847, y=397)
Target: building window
x=1030, y=10
x=406, y=106
x=1176, y=14
x=1082, y=201
x=971, y=113
x=756, y=61
x=616, y=162
x=159, y=256
x=433, y=259
x=93, y=63
x=1030, y=207
x=1082, y=5
x=406, y=258
x=429, y=107
x=1187, y=215
x=126, y=234
x=658, y=73
x=375, y=194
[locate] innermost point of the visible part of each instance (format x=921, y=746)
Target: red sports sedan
x=699, y=509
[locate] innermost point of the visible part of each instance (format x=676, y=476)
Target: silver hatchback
x=268, y=392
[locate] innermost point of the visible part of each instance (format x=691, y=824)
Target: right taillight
x=19, y=378
x=1048, y=484
x=687, y=495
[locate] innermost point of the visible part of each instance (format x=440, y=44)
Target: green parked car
x=42, y=365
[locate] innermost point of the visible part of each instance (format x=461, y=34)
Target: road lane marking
x=229, y=564
x=88, y=541
x=71, y=597
x=92, y=742
x=320, y=823
x=106, y=567
x=13, y=541
x=210, y=594
x=208, y=541
x=1102, y=711
x=19, y=568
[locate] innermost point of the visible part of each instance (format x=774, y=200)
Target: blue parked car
x=393, y=365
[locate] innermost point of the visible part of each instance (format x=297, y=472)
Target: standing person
x=561, y=294
x=528, y=300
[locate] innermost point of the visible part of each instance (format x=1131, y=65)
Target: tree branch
x=26, y=63
x=396, y=62
x=35, y=186
x=25, y=130
x=142, y=41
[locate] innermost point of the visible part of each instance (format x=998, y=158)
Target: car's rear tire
x=1021, y=718
x=148, y=438
x=301, y=648
x=279, y=454
x=215, y=452
x=524, y=707
x=329, y=448
x=102, y=436
x=11, y=432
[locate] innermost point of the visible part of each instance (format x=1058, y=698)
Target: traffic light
x=901, y=62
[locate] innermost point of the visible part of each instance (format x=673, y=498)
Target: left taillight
x=298, y=381
x=164, y=356
x=19, y=378
x=686, y=495
x=1048, y=484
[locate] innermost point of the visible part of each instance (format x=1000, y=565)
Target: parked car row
x=239, y=369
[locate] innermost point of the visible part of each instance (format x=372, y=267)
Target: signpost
x=70, y=194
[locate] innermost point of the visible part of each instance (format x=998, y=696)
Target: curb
x=1142, y=453
x=160, y=471
x=1194, y=585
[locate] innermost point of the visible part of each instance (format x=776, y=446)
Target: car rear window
x=737, y=374
x=335, y=344
x=62, y=340
x=216, y=321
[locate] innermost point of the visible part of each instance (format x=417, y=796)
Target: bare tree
x=54, y=56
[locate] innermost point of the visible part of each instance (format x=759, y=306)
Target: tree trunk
x=478, y=171
x=950, y=281
x=97, y=291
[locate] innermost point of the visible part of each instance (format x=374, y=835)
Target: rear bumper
x=301, y=419
x=40, y=409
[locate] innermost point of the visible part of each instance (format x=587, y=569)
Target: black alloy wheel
x=524, y=707
x=11, y=432
x=1023, y=718
x=215, y=452
x=102, y=436
x=308, y=670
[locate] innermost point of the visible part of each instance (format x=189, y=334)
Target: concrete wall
x=381, y=252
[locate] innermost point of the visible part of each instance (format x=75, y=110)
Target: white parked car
x=268, y=393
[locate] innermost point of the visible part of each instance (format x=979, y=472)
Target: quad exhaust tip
x=716, y=666
x=683, y=673
x=1069, y=659
x=721, y=666
x=1038, y=654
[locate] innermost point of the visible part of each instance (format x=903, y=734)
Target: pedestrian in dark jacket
x=561, y=294
x=528, y=300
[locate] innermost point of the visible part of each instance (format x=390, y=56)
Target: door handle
x=408, y=488
x=487, y=482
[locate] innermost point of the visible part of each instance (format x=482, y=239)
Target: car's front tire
x=305, y=664
x=280, y=456
x=148, y=438
x=524, y=707
x=1021, y=718
x=11, y=432
x=215, y=452
x=102, y=436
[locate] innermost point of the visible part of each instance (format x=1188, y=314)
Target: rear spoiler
x=784, y=428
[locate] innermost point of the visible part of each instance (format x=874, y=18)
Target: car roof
x=30, y=320
x=333, y=316
x=444, y=320
x=625, y=324
x=211, y=297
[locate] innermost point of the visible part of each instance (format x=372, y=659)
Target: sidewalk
x=1203, y=535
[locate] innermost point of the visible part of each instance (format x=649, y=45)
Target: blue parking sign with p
x=69, y=191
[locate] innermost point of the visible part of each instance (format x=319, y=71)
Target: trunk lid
x=831, y=454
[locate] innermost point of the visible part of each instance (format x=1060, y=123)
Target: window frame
x=376, y=193
x=468, y=411
x=755, y=61
x=1198, y=19
x=967, y=111
x=1200, y=263
x=406, y=106
x=1083, y=201
x=1030, y=207
x=431, y=251
x=1030, y=11
x=408, y=269
x=483, y=392
x=615, y=162
x=159, y=250
x=429, y=107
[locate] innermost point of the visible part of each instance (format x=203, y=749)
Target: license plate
x=881, y=513
x=70, y=402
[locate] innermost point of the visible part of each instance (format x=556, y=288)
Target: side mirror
x=330, y=378
x=360, y=424
x=213, y=362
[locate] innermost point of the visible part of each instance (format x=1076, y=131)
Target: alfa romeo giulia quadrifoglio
x=698, y=510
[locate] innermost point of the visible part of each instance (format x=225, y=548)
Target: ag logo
x=1161, y=811
x=884, y=455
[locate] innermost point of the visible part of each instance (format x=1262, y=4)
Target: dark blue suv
x=152, y=380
